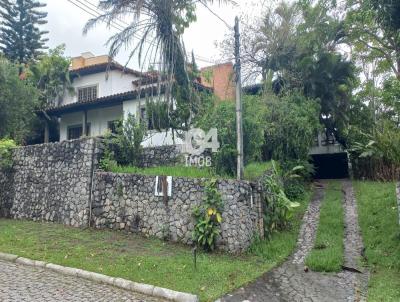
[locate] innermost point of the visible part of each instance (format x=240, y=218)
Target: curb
x=141, y=288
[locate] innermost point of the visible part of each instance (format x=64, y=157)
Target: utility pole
x=239, y=124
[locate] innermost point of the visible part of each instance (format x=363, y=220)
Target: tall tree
x=154, y=34
x=21, y=39
x=18, y=99
x=373, y=27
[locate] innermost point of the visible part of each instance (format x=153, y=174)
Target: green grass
x=177, y=171
x=251, y=172
x=255, y=170
x=282, y=244
x=146, y=260
x=327, y=254
x=378, y=219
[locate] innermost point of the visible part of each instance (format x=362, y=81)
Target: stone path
x=289, y=282
x=25, y=283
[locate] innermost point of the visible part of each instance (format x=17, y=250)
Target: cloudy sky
x=66, y=20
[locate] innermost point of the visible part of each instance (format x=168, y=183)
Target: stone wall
x=60, y=182
x=128, y=202
x=52, y=182
x=6, y=190
x=162, y=156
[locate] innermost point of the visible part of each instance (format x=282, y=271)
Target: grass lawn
x=146, y=260
x=378, y=218
x=252, y=171
x=327, y=254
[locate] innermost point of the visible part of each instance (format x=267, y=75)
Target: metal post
x=239, y=124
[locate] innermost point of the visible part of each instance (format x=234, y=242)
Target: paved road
x=20, y=283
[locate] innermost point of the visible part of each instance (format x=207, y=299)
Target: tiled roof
x=102, y=67
x=102, y=101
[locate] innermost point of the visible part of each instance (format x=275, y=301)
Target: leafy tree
x=50, y=74
x=162, y=22
x=330, y=79
x=291, y=125
x=18, y=100
x=21, y=39
x=222, y=116
x=373, y=27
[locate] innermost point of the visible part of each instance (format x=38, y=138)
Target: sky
x=66, y=21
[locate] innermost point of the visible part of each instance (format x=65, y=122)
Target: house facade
x=104, y=93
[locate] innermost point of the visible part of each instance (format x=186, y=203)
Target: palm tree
x=154, y=33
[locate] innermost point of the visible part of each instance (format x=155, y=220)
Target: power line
x=216, y=15
x=94, y=12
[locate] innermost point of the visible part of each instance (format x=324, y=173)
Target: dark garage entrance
x=330, y=165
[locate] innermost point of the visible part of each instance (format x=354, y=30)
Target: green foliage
x=18, y=100
x=278, y=208
x=21, y=38
x=222, y=116
x=330, y=79
x=6, y=146
x=51, y=76
x=124, y=147
x=208, y=217
x=158, y=113
x=296, y=175
x=253, y=171
x=291, y=126
x=377, y=156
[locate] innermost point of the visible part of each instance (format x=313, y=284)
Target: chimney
x=88, y=59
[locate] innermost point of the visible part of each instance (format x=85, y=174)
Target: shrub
x=208, y=217
x=6, y=160
x=124, y=147
x=223, y=117
x=291, y=126
x=278, y=208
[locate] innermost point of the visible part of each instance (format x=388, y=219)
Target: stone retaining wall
x=128, y=202
x=162, y=156
x=59, y=182
x=6, y=189
x=52, y=182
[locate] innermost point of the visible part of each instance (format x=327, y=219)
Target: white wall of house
x=97, y=118
x=116, y=82
x=154, y=138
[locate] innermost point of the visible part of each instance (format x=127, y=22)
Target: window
x=87, y=94
x=74, y=132
x=112, y=126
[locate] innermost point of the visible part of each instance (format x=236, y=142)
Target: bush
x=377, y=157
x=278, y=208
x=291, y=126
x=6, y=146
x=208, y=217
x=223, y=117
x=124, y=147
x=295, y=175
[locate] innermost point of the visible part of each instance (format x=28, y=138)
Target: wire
x=94, y=11
x=216, y=15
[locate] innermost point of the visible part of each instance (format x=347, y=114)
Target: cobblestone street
x=20, y=283
x=290, y=283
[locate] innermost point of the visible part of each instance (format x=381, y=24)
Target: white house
x=104, y=93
